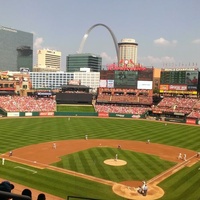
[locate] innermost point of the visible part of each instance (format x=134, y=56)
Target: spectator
x=41, y=196
x=6, y=186
x=27, y=192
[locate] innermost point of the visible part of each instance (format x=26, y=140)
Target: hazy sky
x=167, y=31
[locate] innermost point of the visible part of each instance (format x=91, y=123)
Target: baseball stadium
x=125, y=142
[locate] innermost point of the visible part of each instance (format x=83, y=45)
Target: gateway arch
x=87, y=34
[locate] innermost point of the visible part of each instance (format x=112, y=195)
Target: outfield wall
x=96, y=114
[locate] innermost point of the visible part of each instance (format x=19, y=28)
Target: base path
x=44, y=154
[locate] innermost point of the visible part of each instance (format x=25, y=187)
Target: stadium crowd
x=27, y=104
x=176, y=104
x=117, y=103
x=121, y=109
x=119, y=98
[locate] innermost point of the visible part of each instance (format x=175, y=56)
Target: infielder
x=184, y=157
x=180, y=156
x=54, y=145
x=10, y=153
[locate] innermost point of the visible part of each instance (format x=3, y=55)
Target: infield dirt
x=43, y=154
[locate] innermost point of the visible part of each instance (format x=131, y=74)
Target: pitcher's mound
x=114, y=162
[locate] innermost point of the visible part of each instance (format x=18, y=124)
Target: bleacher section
x=175, y=105
x=125, y=96
x=26, y=104
x=121, y=109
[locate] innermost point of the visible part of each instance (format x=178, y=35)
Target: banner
x=12, y=114
x=103, y=114
x=163, y=87
x=177, y=87
x=190, y=121
x=46, y=113
x=28, y=114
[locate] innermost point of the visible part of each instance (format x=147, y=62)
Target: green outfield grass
x=75, y=108
x=20, y=132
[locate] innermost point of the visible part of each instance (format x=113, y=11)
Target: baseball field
x=76, y=167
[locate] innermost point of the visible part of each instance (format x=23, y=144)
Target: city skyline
x=167, y=32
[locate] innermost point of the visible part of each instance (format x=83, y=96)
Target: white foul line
x=34, y=172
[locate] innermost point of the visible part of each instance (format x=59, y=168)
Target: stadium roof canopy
x=75, y=87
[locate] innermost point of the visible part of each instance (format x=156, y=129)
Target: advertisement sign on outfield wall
x=103, y=114
x=190, y=121
x=46, y=113
x=12, y=114
x=28, y=114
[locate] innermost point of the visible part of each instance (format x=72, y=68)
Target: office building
x=55, y=80
x=75, y=62
x=128, y=50
x=16, y=49
x=48, y=61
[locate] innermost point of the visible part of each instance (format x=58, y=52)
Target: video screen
x=126, y=79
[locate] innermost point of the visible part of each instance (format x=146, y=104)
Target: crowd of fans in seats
x=195, y=111
x=129, y=96
x=121, y=109
x=27, y=104
x=177, y=104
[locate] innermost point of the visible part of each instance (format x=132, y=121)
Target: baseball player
x=86, y=137
x=10, y=153
x=116, y=157
x=143, y=185
x=3, y=161
x=54, y=145
x=184, y=157
x=180, y=156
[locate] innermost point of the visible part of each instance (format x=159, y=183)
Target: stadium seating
x=121, y=109
x=175, y=104
x=129, y=96
x=195, y=111
x=26, y=104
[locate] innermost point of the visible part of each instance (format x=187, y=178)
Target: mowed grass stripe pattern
x=31, y=131
x=55, y=183
x=20, y=132
x=139, y=166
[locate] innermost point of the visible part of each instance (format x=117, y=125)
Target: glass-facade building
x=75, y=62
x=55, y=80
x=16, y=49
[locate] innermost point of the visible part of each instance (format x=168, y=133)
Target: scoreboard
x=179, y=77
x=125, y=79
